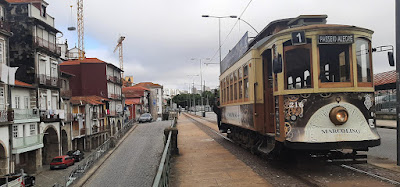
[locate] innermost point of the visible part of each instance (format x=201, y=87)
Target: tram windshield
x=298, y=66
x=334, y=63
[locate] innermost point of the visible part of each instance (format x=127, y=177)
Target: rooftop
x=385, y=78
x=148, y=85
x=93, y=100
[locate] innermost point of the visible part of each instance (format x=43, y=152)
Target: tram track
x=302, y=177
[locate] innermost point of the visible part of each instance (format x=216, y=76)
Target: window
x=2, y=13
x=26, y=102
x=15, y=131
x=363, y=60
x=2, y=55
x=297, y=66
x=32, y=129
x=240, y=72
x=43, y=11
x=17, y=102
x=334, y=63
x=246, y=81
x=2, y=103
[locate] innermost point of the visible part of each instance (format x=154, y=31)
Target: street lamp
x=201, y=80
x=219, y=30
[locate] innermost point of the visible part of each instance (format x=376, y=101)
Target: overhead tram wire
x=226, y=38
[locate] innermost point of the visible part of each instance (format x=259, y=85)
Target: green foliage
x=185, y=100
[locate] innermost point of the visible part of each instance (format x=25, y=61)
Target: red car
x=61, y=162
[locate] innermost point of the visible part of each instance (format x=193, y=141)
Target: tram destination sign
x=336, y=39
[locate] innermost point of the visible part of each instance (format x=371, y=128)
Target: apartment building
x=33, y=49
x=94, y=77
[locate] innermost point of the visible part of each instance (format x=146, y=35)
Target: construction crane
x=81, y=28
x=121, y=55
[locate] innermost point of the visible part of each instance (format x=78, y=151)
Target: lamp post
x=201, y=80
x=219, y=30
x=192, y=91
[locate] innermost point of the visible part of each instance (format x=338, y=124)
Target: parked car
x=146, y=117
x=77, y=154
x=28, y=179
x=62, y=162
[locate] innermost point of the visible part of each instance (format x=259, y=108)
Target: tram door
x=268, y=92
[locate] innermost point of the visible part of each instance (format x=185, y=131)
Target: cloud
x=162, y=36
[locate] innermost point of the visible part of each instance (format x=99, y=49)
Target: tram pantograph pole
x=397, y=18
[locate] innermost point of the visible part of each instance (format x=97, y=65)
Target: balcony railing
x=27, y=141
x=115, y=96
x=66, y=93
x=49, y=81
x=6, y=116
x=51, y=115
x=26, y=114
x=83, y=131
x=78, y=116
x=114, y=79
x=40, y=42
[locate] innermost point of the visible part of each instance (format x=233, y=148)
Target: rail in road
x=306, y=173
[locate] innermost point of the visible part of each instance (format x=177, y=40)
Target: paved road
x=387, y=149
x=135, y=162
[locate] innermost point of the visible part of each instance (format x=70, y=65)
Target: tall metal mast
x=81, y=28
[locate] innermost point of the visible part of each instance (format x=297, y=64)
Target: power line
x=212, y=58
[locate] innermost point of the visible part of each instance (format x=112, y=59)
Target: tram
x=300, y=84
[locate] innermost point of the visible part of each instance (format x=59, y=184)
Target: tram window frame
x=240, y=83
x=369, y=76
x=303, y=84
x=339, y=84
x=231, y=88
x=246, y=94
x=235, y=83
x=275, y=75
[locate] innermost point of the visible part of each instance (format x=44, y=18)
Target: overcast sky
x=162, y=36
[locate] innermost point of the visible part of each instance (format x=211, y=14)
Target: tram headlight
x=339, y=115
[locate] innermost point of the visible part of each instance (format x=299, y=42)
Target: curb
x=82, y=181
x=386, y=127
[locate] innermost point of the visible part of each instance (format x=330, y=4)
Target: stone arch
x=3, y=159
x=50, y=142
x=64, y=142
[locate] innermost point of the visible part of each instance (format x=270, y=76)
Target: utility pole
x=398, y=77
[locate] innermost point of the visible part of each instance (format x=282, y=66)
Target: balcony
x=48, y=80
x=27, y=143
x=115, y=96
x=66, y=93
x=6, y=116
x=52, y=47
x=114, y=79
x=82, y=132
x=78, y=116
x=51, y=115
x=26, y=115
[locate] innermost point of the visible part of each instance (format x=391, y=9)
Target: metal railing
x=48, y=80
x=27, y=141
x=81, y=169
x=22, y=114
x=162, y=177
x=385, y=101
x=40, y=42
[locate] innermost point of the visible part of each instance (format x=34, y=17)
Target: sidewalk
x=204, y=162
x=388, y=124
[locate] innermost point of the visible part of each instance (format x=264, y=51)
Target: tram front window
x=334, y=63
x=297, y=67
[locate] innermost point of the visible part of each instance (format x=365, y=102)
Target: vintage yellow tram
x=300, y=84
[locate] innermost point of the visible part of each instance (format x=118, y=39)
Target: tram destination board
x=336, y=39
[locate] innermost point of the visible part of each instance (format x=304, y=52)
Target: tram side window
x=240, y=83
x=363, y=60
x=334, y=63
x=235, y=95
x=246, y=81
x=298, y=67
x=231, y=88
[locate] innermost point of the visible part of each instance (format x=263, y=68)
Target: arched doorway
x=50, y=142
x=3, y=160
x=64, y=142
x=113, y=128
